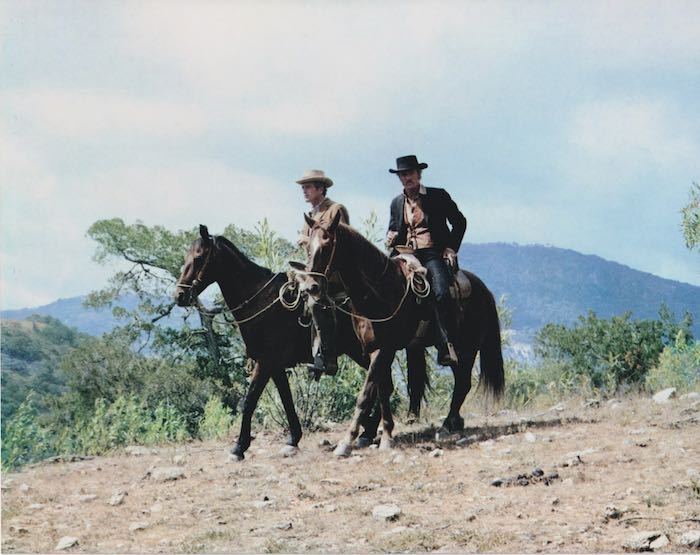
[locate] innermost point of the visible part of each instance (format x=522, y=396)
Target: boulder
x=386, y=512
x=665, y=395
x=66, y=542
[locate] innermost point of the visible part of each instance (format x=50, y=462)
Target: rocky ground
x=622, y=475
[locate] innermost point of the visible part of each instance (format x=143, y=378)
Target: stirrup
x=448, y=356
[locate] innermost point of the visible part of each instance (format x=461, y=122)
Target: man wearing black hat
x=419, y=218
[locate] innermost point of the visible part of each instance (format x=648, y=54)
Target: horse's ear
x=335, y=222
x=204, y=234
x=297, y=265
x=309, y=220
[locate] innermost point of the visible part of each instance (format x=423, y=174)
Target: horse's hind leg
x=370, y=423
x=282, y=383
x=463, y=383
x=258, y=380
x=386, y=386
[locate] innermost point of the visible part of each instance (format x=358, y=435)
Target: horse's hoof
x=386, y=442
x=453, y=423
x=289, y=451
x=363, y=442
x=236, y=453
x=343, y=450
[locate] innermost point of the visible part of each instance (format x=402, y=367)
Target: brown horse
x=381, y=292
x=272, y=335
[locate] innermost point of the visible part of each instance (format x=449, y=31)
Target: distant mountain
x=72, y=313
x=542, y=284
x=548, y=284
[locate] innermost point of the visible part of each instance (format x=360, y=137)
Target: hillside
x=30, y=356
x=549, y=284
x=577, y=478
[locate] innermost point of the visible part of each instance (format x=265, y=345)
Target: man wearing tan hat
x=314, y=185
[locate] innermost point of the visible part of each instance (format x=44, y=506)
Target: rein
x=286, y=287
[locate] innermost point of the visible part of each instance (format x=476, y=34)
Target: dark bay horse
x=273, y=338
x=380, y=292
x=272, y=335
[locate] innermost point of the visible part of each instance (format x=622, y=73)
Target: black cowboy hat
x=408, y=163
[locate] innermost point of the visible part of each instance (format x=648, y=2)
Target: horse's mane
x=365, y=252
x=247, y=262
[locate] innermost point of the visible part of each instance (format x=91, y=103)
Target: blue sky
x=570, y=124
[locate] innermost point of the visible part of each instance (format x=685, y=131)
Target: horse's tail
x=418, y=379
x=491, y=354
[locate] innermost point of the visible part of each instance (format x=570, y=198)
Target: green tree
x=691, y=219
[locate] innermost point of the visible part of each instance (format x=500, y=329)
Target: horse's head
x=196, y=273
x=320, y=249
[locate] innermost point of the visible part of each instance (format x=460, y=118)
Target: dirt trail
x=605, y=473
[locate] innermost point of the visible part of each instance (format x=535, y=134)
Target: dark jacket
x=438, y=208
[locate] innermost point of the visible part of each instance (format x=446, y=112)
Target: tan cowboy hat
x=315, y=175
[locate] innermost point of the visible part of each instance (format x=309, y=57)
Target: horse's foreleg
x=282, y=383
x=463, y=383
x=362, y=407
x=258, y=380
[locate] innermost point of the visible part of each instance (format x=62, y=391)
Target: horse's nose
x=314, y=288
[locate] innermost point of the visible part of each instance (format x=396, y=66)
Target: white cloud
x=617, y=144
x=312, y=69
x=77, y=114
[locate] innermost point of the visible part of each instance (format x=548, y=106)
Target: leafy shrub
x=217, y=420
x=23, y=441
x=679, y=367
x=611, y=353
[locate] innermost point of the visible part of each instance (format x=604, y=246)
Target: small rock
x=289, y=451
x=24, y=488
x=331, y=508
x=691, y=396
x=386, y=512
x=436, y=453
x=179, y=459
x=467, y=440
x=324, y=443
x=690, y=539
x=87, y=498
x=136, y=526
x=498, y=482
x=567, y=482
x=612, y=512
x=117, y=498
x=167, y=473
x=156, y=508
x=538, y=472
x=396, y=458
x=659, y=543
x=529, y=437
x=137, y=450
x=263, y=504
x=640, y=542
x=283, y=526
x=665, y=395
x=36, y=506
x=21, y=530
x=66, y=542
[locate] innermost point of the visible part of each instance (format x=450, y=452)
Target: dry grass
x=637, y=456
